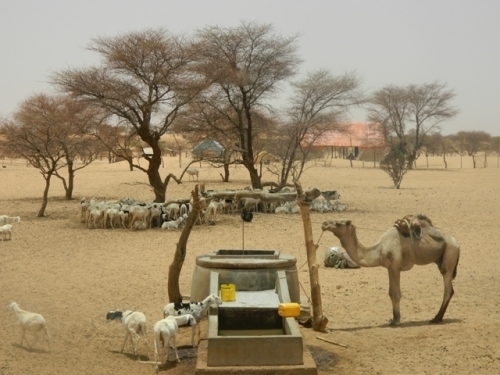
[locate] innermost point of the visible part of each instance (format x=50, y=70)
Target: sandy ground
x=73, y=275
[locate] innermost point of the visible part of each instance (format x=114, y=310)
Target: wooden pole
x=304, y=200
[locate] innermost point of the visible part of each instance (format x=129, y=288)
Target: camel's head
x=338, y=227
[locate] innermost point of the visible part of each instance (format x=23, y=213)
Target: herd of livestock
x=139, y=215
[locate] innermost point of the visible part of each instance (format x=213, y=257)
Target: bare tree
x=145, y=80
x=204, y=123
x=474, y=142
x=422, y=106
x=495, y=146
x=46, y=131
x=246, y=65
x=316, y=107
x=120, y=141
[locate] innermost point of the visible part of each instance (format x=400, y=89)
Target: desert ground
x=73, y=275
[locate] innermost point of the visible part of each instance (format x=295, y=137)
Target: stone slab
x=307, y=368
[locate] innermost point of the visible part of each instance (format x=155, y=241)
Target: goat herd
x=135, y=324
x=138, y=215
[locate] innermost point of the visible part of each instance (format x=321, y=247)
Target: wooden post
x=174, y=271
x=304, y=200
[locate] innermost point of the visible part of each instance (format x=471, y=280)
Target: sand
x=73, y=275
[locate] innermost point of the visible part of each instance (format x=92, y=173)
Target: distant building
x=352, y=139
x=208, y=148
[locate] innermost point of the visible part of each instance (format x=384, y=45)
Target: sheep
x=192, y=172
x=135, y=326
x=137, y=214
x=6, y=230
x=251, y=203
x=95, y=215
x=183, y=209
x=31, y=322
x=139, y=225
x=282, y=210
x=123, y=218
x=173, y=211
x=197, y=309
x=174, y=224
x=4, y=219
x=113, y=214
x=154, y=214
x=212, y=211
x=165, y=332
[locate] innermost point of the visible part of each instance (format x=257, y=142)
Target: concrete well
x=249, y=270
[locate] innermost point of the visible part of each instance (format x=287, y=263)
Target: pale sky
x=397, y=42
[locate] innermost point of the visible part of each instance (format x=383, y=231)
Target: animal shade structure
x=246, y=216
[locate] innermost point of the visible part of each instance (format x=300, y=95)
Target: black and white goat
x=197, y=309
x=135, y=326
x=165, y=332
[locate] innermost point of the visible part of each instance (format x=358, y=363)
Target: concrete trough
x=248, y=335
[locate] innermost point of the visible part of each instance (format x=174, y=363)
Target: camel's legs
x=395, y=294
x=448, y=293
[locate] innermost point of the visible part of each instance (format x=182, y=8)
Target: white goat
x=113, y=215
x=174, y=224
x=31, y=322
x=154, y=214
x=6, y=230
x=212, y=211
x=197, y=309
x=94, y=217
x=165, y=332
x=4, y=219
x=282, y=210
x=251, y=204
x=192, y=172
x=135, y=327
x=138, y=214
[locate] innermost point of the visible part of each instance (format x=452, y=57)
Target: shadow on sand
x=419, y=323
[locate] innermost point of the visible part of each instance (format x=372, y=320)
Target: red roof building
x=361, y=135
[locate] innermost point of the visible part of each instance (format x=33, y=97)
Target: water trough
x=248, y=333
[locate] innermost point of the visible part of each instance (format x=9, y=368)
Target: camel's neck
x=361, y=255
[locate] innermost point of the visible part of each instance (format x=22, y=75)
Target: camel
x=398, y=252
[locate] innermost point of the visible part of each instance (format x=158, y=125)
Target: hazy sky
x=397, y=42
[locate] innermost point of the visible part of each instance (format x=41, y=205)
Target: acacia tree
x=145, y=80
x=245, y=65
x=317, y=106
x=204, y=122
x=474, y=142
x=422, y=107
x=46, y=131
x=118, y=140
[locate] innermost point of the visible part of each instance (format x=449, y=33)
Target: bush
x=395, y=163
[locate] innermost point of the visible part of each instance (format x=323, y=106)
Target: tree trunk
x=159, y=188
x=45, y=198
x=226, y=172
x=174, y=271
x=254, y=177
x=319, y=320
x=71, y=181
